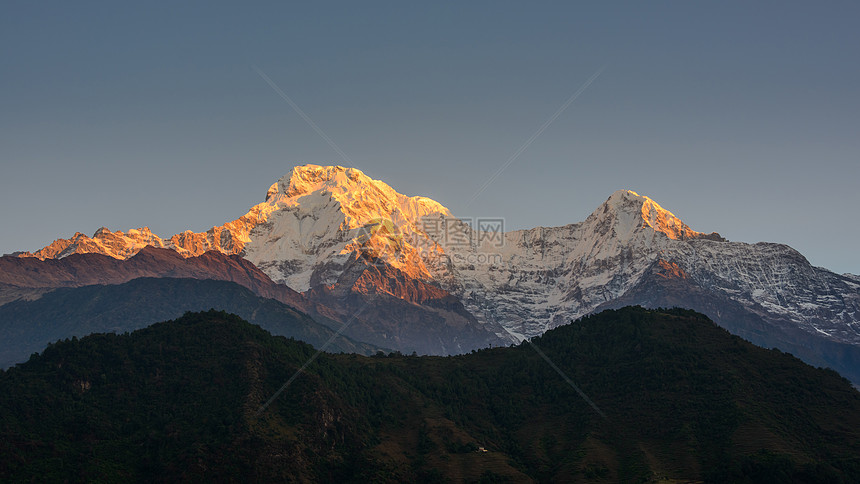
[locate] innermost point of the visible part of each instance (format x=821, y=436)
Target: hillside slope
x=683, y=399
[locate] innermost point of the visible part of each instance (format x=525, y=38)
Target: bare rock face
x=384, y=306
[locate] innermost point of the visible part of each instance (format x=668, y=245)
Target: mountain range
x=404, y=273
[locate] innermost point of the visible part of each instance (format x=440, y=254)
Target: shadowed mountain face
x=667, y=285
x=383, y=305
x=27, y=327
x=683, y=400
x=388, y=308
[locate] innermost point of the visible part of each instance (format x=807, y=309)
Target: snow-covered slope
x=317, y=217
x=543, y=277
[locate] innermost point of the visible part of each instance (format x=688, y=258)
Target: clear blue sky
x=740, y=117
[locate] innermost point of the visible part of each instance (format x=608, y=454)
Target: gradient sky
x=740, y=117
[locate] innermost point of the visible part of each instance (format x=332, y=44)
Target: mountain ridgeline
x=27, y=327
x=682, y=398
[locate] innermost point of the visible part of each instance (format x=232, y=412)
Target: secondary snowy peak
x=628, y=212
x=117, y=244
x=543, y=277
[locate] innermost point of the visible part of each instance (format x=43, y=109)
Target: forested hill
x=178, y=400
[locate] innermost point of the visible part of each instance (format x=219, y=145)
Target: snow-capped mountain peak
x=361, y=198
x=317, y=217
x=632, y=212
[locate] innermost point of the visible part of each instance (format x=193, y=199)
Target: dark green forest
x=683, y=401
